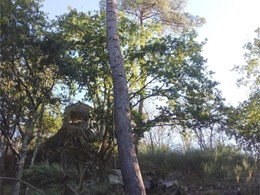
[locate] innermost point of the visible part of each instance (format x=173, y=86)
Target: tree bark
x=129, y=165
x=2, y=146
x=20, y=165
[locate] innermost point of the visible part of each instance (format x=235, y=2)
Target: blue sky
x=58, y=7
x=230, y=24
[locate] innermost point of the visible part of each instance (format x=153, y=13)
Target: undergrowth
x=222, y=163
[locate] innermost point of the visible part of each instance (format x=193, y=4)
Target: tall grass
x=222, y=163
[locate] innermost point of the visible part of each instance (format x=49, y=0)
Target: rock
x=185, y=188
x=168, y=184
x=115, y=177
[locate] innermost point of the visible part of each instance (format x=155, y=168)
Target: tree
x=127, y=157
x=89, y=70
x=200, y=112
x=179, y=76
x=173, y=64
x=251, y=70
x=169, y=13
x=244, y=121
x=30, y=60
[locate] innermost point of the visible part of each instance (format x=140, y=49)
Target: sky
x=230, y=24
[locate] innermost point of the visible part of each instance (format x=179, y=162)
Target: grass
x=203, y=166
x=222, y=163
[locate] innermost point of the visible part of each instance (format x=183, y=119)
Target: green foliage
x=182, y=78
x=244, y=121
x=251, y=70
x=52, y=121
x=73, y=49
x=29, y=66
x=158, y=66
x=30, y=61
x=45, y=176
x=208, y=165
x=170, y=13
x=54, y=179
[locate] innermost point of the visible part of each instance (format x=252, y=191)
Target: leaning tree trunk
x=131, y=174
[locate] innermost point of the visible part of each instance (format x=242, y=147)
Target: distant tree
x=251, y=70
x=169, y=13
x=182, y=79
x=244, y=120
x=244, y=123
x=132, y=177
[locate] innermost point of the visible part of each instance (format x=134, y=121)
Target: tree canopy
x=169, y=13
x=245, y=119
x=30, y=59
x=44, y=63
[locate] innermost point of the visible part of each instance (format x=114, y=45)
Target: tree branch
x=10, y=143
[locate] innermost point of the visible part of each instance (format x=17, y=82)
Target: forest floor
x=176, y=183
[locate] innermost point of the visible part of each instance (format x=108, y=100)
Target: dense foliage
x=45, y=64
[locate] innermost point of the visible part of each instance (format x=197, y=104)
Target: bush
x=53, y=179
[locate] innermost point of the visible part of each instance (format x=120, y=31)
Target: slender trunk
x=20, y=165
x=36, y=149
x=1, y=160
x=211, y=137
x=140, y=122
x=143, y=74
x=38, y=136
x=129, y=165
x=151, y=141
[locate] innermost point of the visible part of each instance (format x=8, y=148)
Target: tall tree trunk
x=131, y=174
x=143, y=73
